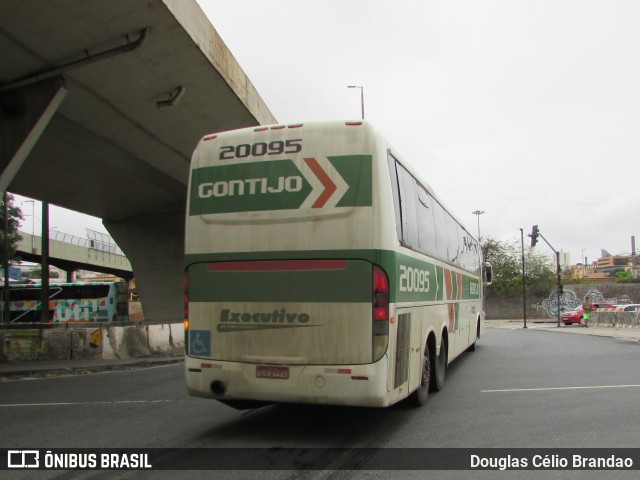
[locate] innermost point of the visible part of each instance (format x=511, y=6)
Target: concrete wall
x=511, y=306
x=615, y=319
x=96, y=342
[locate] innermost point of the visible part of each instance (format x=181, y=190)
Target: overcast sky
x=528, y=110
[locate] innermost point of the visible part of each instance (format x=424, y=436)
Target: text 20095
x=261, y=149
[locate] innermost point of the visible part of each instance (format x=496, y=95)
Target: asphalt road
x=520, y=388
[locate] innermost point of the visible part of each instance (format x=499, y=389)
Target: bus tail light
x=186, y=312
x=380, y=312
x=380, y=298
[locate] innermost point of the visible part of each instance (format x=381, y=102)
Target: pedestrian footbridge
x=97, y=252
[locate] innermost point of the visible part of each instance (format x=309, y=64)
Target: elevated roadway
x=102, y=104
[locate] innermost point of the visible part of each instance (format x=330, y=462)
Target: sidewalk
x=50, y=368
x=550, y=325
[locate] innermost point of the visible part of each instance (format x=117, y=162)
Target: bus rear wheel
x=419, y=397
x=472, y=347
x=439, y=368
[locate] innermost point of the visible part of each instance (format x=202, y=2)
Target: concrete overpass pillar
x=154, y=244
x=24, y=114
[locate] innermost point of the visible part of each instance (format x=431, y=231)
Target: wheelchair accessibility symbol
x=200, y=343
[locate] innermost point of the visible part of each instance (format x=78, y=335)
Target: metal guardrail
x=94, y=240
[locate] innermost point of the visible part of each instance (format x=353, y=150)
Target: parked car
x=629, y=307
x=575, y=316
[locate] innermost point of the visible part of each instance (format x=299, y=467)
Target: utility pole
x=535, y=233
x=6, y=313
x=634, y=259
x=44, y=284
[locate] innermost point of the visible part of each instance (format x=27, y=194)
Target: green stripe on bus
x=356, y=170
x=408, y=276
x=350, y=284
x=274, y=185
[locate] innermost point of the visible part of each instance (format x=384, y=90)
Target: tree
x=36, y=273
x=623, y=276
x=503, y=258
x=506, y=260
x=15, y=217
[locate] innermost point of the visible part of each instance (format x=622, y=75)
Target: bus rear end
x=285, y=296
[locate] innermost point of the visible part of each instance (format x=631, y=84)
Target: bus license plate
x=277, y=373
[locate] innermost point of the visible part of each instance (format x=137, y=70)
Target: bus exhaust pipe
x=218, y=387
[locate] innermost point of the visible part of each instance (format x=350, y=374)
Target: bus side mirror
x=488, y=273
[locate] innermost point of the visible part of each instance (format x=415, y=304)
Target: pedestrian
x=587, y=308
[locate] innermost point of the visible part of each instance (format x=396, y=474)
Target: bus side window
x=426, y=227
x=453, y=241
x=391, y=161
x=441, y=231
x=406, y=184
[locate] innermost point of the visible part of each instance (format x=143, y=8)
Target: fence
x=94, y=240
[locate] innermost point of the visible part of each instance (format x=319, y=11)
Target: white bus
x=320, y=269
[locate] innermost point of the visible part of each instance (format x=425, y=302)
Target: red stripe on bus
x=448, y=283
x=272, y=265
x=327, y=183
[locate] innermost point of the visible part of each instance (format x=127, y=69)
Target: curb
x=631, y=334
x=52, y=369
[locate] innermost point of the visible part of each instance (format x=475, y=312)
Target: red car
x=575, y=316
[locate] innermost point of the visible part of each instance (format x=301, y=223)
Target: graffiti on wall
x=569, y=301
x=597, y=297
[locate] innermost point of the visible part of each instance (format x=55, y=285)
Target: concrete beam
x=24, y=114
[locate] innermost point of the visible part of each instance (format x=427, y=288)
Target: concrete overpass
x=102, y=104
x=69, y=253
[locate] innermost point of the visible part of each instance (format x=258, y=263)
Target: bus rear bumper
x=353, y=385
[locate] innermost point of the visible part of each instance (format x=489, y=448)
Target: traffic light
x=534, y=235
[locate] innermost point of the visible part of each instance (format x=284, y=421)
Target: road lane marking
x=64, y=404
x=547, y=389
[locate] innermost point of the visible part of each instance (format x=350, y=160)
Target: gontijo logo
x=253, y=186
x=341, y=181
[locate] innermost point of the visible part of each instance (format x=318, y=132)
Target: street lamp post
x=361, y=97
x=33, y=224
x=478, y=213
